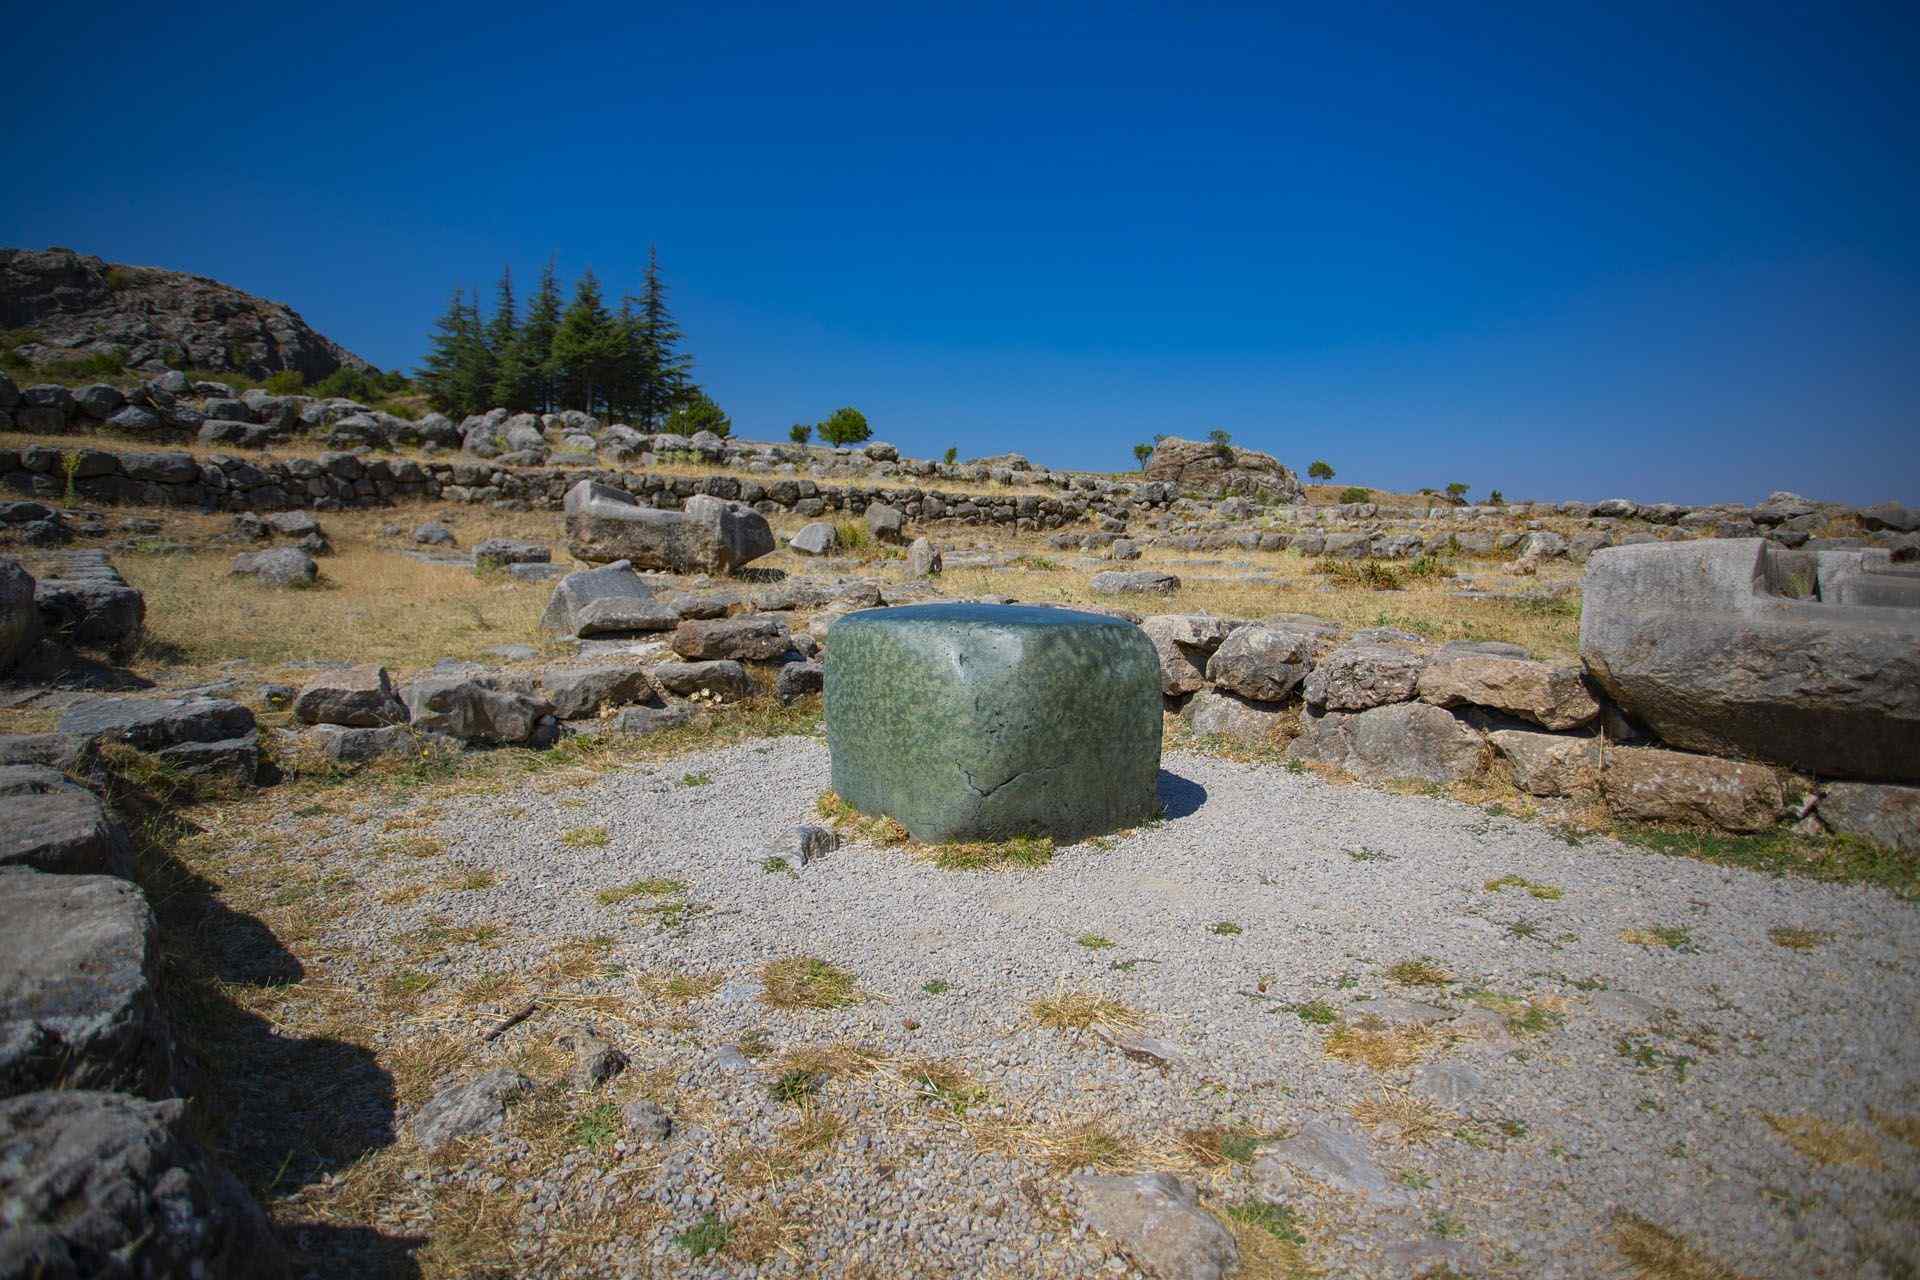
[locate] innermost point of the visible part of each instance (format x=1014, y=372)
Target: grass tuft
x=650, y=888
x=586, y=838
x=1825, y=1142
x=804, y=982
x=1080, y=1010
x=1654, y=1253
x=1383, y=1048
x=1424, y=971
x=1798, y=939
x=1545, y=892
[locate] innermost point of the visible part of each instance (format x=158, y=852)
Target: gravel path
x=1566, y=1074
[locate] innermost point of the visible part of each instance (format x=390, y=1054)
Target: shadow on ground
x=282, y=1111
x=1179, y=796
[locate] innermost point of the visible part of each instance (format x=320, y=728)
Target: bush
x=952, y=455
x=1457, y=491
x=799, y=433
x=1141, y=452
x=1220, y=438
x=1496, y=499
x=1354, y=493
x=287, y=382
x=1320, y=470
x=846, y=426
x=366, y=385
x=697, y=415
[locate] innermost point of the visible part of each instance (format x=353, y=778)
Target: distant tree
x=458, y=371
x=1496, y=499
x=1457, y=491
x=1141, y=452
x=504, y=326
x=660, y=372
x=587, y=348
x=1320, y=470
x=952, y=455
x=799, y=433
x=696, y=414
x=846, y=426
x=1159, y=436
x=525, y=377
x=1220, y=438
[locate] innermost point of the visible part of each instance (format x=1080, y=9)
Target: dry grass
x=652, y=887
x=1904, y=1127
x=1271, y=1245
x=1411, y=1121
x=1827, y=1143
x=586, y=838
x=1654, y=1253
x=678, y=988
x=805, y=982
x=841, y=1060
x=1422, y=972
x=1085, y=1145
x=1066, y=1010
x=577, y=959
x=1222, y=1146
x=1798, y=939
x=1384, y=1048
x=875, y=829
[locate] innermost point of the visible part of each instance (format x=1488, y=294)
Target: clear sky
x=1660, y=251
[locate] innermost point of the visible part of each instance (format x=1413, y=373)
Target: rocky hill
x=77, y=305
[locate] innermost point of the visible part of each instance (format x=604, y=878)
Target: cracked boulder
x=609, y=601
x=708, y=536
x=1157, y=1219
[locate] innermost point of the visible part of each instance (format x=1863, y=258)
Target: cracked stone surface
x=984, y=722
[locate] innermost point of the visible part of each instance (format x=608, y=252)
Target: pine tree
x=532, y=359
x=661, y=373
x=505, y=325
x=587, y=347
x=458, y=370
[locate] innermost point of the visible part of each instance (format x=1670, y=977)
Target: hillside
x=77, y=305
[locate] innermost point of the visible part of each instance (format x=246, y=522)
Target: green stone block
x=985, y=722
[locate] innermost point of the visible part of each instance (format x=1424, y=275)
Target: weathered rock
x=148, y=724
x=1213, y=470
x=798, y=679
x=924, y=559
x=342, y=745
x=988, y=722
x=1335, y=1156
x=464, y=1110
x=1548, y=695
x=465, y=708
x=754, y=639
x=19, y=616
x=1403, y=741
x=816, y=539
x=1891, y=515
x=1451, y=1084
x=1732, y=646
x=506, y=551
x=610, y=600
x=1887, y=816
x=640, y=721
x=1645, y=785
x=646, y=1120
x=103, y=1186
x=97, y=610
x=1545, y=764
x=358, y=697
x=886, y=523
x=1133, y=582
x=709, y=536
x=725, y=678
x=77, y=1003
x=1262, y=662
x=579, y=692
x=1183, y=643
x=1216, y=713
x=595, y=1062
x=280, y=567
x=434, y=534
x=1362, y=674
x=1157, y=1219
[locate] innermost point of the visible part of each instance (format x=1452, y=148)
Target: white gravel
x=1572, y=1124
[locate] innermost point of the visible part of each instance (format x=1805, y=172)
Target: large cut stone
x=1644, y=785
x=1405, y=741
x=984, y=722
x=749, y=637
x=1546, y=764
x=358, y=697
x=1184, y=642
x=77, y=1006
x=1884, y=815
x=710, y=536
x=1262, y=662
x=1550, y=696
x=66, y=829
x=1740, y=647
x=472, y=710
x=1362, y=674
x=1215, y=713
x=19, y=616
x=610, y=600
x=100, y=1184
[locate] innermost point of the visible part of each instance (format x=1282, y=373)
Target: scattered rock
x=19, y=617
x=746, y=637
x=500, y=552
x=280, y=567
x=434, y=534
x=1646, y=785
x=610, y=600
x=646, y=1120
x=1333, y=1155
x=1552, y=696
x=465, y=708
x=1157, y=1219
x=798, y=679
x=924, y=559
x=464, y=1110
x=1888, y=816
x=709, y=536
x=579, y=692
x=358, y=697
x=1133, y=582
x=816, y=539
x=886, y=523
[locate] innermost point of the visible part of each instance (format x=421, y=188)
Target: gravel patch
x=1607, y=1032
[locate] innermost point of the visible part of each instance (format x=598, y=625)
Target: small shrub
x=1422, y=972
x=805, y=982
x=951, y=456
x=1354, y=493
x=596, y=1129
x=709, y=1235
x=286, y=382
x=799, y=433
x=846, y=426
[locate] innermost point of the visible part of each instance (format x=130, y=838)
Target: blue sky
x=1665, y=251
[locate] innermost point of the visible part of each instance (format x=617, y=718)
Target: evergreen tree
x=661, y=374
x=531, y=363
x=695, y=414
x=587, y=348
x=458, y=371
x=504, y=328
x=799, y=433
x=846, y=426
x=1321, y=470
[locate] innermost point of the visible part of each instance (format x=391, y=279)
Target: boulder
x=1331, y=1154
x=1546, y=764
x=105, y=1185
x=1891, y=515
x=709, y=536
x=798, y=679
x=1646, y=785
x=358, y=697
x=342, y=745
x=610, y=600
x=1262, y=662
x=886, y=523
x=464, y=707
x=579, y=692
x=148, y=724
x=1362, y=674
x=640, y=721
x=816, y=539
x=1216, y=713
x=923, y=559
x=724, y=678
x=1739, y=647
x=434, y=534
x=1184, y=642
x=745, y=637
x=89, y=603
x=1214, y=470
x=77, y=1003
x=464, y=1110
x=19, y=616
x=66, y=830
x=1133, y=582
x=1888, y=816
x=1157, y=1219
x=1400, y=742
x=280, y=567
x=1551, y=696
